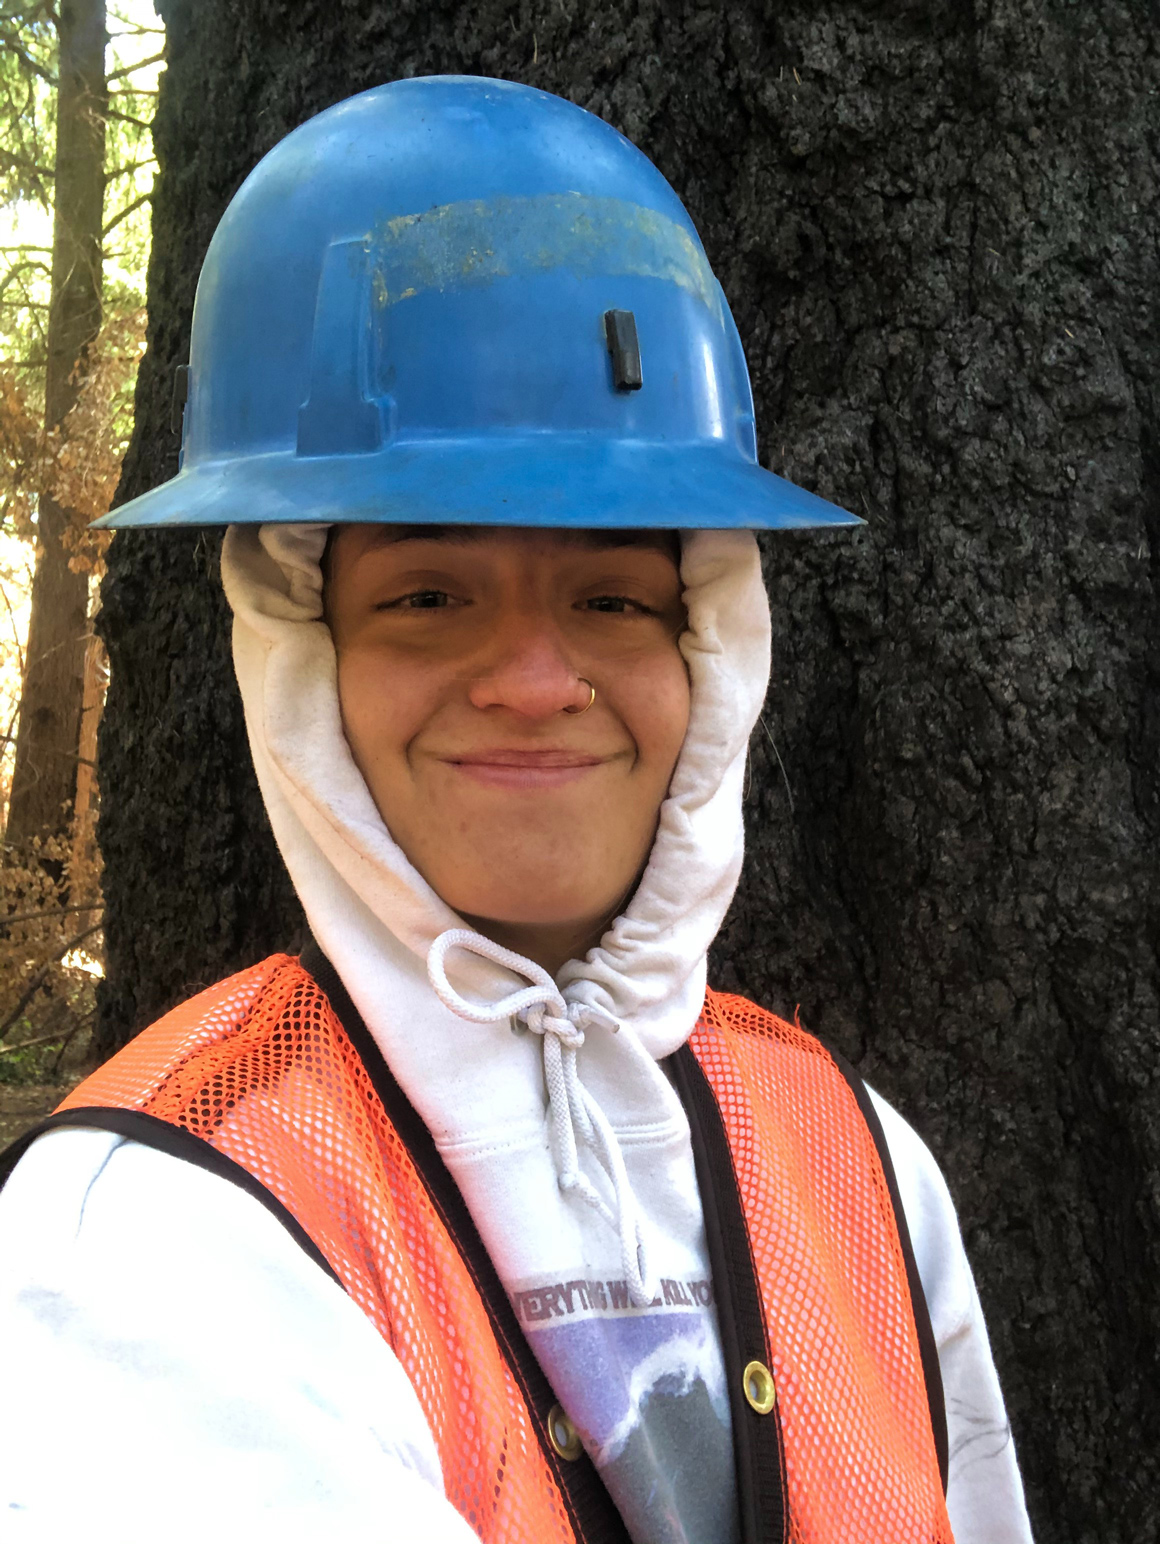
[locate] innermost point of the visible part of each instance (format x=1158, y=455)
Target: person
x=483, y=1218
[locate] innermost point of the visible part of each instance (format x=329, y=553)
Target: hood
x=361, y=895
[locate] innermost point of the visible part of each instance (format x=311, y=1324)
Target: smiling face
x=462, y=657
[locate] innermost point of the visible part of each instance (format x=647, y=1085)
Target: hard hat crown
x=462, y=300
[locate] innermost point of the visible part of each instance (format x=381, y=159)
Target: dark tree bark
x=937, y=225
x=52, y=697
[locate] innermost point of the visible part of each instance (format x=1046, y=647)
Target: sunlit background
x=50, y=911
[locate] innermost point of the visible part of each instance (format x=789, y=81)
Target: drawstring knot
x=576, y=1118
x=567, y=1030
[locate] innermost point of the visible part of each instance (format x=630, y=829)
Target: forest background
x=938, y=226
x=78, y=88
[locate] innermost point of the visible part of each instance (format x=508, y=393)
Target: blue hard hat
x=463, y=301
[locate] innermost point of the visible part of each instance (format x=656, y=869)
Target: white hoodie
x=562, y=1189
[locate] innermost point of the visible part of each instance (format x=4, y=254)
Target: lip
x=500, y=767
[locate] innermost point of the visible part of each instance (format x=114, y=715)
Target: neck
x=549, y=947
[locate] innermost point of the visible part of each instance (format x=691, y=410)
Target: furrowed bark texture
x=44, y=777
x=937, y=225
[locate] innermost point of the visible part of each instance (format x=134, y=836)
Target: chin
x=522, y=915
x=527, y=906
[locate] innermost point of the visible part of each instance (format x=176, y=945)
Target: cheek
x=380, y=711
x=656, y=713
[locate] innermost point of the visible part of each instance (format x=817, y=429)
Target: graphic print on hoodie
x=646, y=1391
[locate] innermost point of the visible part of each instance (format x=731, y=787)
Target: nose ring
x=591, y=697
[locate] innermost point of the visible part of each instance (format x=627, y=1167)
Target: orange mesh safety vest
x=272, y=1080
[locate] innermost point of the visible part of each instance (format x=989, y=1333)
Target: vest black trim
x=928, y=1350
x=758, y=1445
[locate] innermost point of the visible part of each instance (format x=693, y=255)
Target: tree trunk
x=937, y=226
x=88, y=793
x=51, y=703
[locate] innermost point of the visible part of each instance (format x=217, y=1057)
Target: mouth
x=510, y=768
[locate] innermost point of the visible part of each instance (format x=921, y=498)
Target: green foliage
x=46, y=1061
x=28, y=50
x=28, y=62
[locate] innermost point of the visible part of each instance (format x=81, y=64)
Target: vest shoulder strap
x=825, y=1226
x=149, y=1131
x=928, y=1350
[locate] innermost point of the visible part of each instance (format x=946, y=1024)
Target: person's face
x=460, y=650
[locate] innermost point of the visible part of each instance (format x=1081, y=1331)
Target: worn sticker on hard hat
x=456, y=246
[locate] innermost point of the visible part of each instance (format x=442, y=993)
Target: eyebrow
x=464, y=535
x=389, y=535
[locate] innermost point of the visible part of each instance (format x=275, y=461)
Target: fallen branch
x=38, y=979
x=26, y=1045
x=53, y=911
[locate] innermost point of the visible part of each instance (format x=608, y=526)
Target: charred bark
x=48, y=738
x=937, y=225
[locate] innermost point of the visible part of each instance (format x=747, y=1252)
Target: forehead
x=358, y=540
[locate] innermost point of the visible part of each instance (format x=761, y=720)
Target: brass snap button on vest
x=757, y=1381
x=563, y=1435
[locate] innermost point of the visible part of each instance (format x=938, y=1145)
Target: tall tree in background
x=48, y=740
x=937, y=226
x=58, y=471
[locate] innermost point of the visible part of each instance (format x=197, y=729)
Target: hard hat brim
x=543, y=480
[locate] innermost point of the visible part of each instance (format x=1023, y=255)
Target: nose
x=529, y=671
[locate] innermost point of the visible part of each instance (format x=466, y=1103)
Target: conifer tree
x=74, y=144
x=47, y=745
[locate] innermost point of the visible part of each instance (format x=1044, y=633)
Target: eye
x=617, y=604
x=418, y=600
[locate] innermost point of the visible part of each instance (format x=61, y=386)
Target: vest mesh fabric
x=260, y=1067
x=859, y=1450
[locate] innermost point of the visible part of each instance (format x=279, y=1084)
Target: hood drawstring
x=574, y=1113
